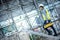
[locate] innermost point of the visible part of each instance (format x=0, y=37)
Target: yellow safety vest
x=47, y=15
x=48, y=18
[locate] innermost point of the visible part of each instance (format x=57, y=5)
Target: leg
x=49, y=32
x=55, y=33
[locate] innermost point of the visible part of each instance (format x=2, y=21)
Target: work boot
x=55, y=35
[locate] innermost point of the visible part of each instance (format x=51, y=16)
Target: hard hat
x=41, y=5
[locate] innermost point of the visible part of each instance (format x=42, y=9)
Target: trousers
x=49, y=32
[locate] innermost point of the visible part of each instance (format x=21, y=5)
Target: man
x=47, y=19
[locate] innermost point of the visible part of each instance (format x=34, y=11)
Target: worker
x=47, y=20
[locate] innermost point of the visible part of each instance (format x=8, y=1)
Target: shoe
x=55, y=35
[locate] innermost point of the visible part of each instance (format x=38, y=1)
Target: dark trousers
x=49, y=32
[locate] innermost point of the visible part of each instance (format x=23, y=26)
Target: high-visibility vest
x=47, y=15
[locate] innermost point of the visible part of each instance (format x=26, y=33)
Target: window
x=8, y=26
x=6, y=23
x=19, y=18
x=22, y=25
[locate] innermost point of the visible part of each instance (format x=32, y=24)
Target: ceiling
x=4, y=1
